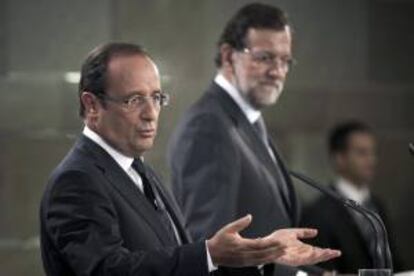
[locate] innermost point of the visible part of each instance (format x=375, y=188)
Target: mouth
x=147, y=133
x=271, y=84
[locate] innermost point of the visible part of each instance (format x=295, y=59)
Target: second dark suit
x=221, y=171
x=338, y=228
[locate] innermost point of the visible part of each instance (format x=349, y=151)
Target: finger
x=300, y=252
x=297, y=257
x=238, y=225
x=326, y=254
x=260, y=244
x=307, y=255
x=314, y=256
x=259, y=257
x=304, y=233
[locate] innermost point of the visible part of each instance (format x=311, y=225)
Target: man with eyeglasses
x=222, y=160
x=104, y=210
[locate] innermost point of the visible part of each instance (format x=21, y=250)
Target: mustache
x=272, y=82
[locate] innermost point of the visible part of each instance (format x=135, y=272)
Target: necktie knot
x=139, y=166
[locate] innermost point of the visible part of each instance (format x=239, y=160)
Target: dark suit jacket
x=338, y=229
x=95, y=221
x=222, y=171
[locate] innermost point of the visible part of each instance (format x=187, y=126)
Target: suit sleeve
x=82, y=224
x=205, y=171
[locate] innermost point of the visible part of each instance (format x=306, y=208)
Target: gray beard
x=260, y=105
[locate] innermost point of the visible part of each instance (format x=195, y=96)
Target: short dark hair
x=94, y=69
x=340, y=134
x=255, y=15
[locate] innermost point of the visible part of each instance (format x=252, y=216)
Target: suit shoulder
x=74, y=161
x=208, y=107
x=75, y=172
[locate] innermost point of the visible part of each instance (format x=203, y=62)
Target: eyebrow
x=140, y=93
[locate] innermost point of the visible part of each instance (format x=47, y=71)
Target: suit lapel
x=257, y=145
x=244, y=126
x=249, y=135
x=125, y=186
x=170, y=205
x=288, y=192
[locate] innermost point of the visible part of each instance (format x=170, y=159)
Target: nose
x=277, y=71
x=149, y=111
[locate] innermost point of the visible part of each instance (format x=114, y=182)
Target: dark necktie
x=149, y=193
x=154, y=198
x=260, y=128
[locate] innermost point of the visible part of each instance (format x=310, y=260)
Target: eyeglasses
x=270, y=59
x=138, y=101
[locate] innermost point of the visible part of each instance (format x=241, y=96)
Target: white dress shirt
x=251, y=113
x=248, y=110
x=125, y=162
x=347, y=189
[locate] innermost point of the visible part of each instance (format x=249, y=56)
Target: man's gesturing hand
x=228, y=248
x=296, y=252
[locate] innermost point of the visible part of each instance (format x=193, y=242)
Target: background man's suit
x=95, y=221
x=221, y=170
x=339, y=229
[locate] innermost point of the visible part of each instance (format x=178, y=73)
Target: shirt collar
x=251, y=113
x=350, y=191
x=123, y=161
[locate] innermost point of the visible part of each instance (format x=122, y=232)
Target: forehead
x=357, y=139
x=268, y=39
x=132, y=73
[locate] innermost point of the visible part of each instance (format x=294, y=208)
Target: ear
x=90, y=102
x=226, y=54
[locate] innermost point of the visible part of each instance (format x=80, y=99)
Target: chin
x=269, y=96
x=143, y=147
x=260, y=98
x=268, y=101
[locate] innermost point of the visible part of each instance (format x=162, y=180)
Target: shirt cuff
x=211, y=266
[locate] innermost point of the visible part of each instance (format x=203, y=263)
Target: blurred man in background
x=352, y=146
x=222, y=160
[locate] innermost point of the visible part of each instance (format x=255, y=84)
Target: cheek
x=253, y=72
x=115, y=122
x=246, y=73
x=119, y=126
